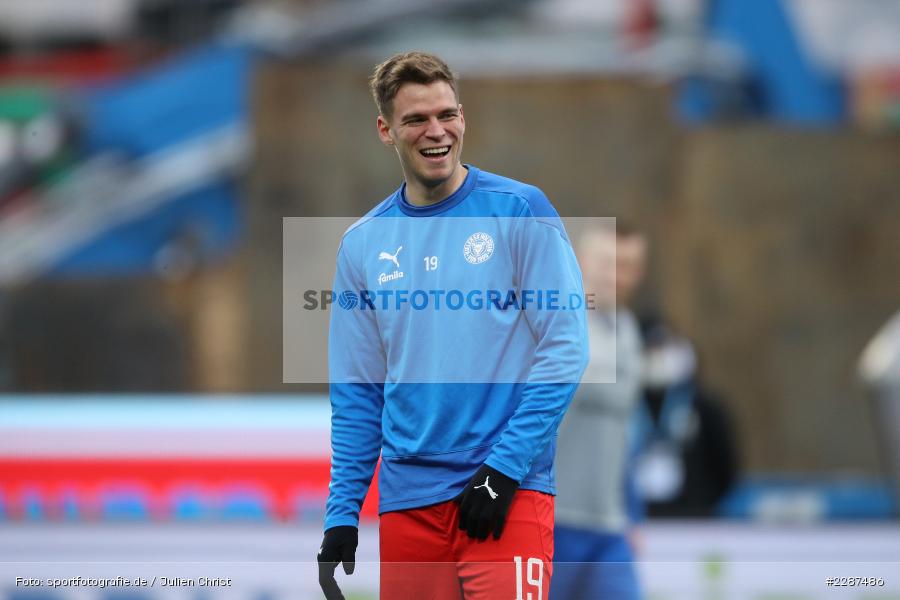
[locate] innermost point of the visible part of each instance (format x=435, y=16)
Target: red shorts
x=425, y=555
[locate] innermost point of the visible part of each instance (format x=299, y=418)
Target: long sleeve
x=356, y=367
x=545, y=263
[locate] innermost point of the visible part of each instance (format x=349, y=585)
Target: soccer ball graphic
x=348, y=300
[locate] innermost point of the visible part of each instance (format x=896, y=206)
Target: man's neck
x=420, y=195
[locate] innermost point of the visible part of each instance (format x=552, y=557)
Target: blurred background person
x=592, y=553
x=687, y=453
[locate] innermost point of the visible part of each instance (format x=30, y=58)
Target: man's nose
x=435, y=128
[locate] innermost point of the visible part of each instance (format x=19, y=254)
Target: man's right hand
x=338, y=546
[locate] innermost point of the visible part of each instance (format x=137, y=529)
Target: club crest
x=478, y=248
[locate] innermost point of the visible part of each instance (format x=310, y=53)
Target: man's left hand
x=484, y=503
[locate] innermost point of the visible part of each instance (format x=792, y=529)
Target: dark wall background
x=775, y=250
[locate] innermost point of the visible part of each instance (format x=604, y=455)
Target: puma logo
x=488, y=487
x=391, y=257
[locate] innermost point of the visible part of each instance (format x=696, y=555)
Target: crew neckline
x=446, y=204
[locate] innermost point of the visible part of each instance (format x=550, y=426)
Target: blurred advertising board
x=181, y=561
x=173, y=457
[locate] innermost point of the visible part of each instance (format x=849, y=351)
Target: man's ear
x=462, y=117
x=384, y=131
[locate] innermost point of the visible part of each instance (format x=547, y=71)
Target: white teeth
x=436, y=150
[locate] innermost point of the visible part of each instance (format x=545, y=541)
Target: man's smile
x=436, y=153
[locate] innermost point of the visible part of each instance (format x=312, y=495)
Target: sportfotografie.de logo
x=389, y=299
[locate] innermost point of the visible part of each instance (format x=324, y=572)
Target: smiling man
x=424, y=122
x=455, y=365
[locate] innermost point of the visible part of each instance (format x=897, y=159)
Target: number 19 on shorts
x=534, y=576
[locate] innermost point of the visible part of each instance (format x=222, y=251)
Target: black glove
x=484, y=503
x=339, y=545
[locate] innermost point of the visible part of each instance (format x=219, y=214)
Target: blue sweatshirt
x=457, y=338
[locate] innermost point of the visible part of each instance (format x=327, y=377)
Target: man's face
x=597, y=257
x=426, y=127
x=631, y=259
x=612, y=266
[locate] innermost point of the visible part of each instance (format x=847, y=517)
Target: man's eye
x=415, y=121
x=448, y=116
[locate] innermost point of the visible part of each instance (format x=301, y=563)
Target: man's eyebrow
x=416, y=115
